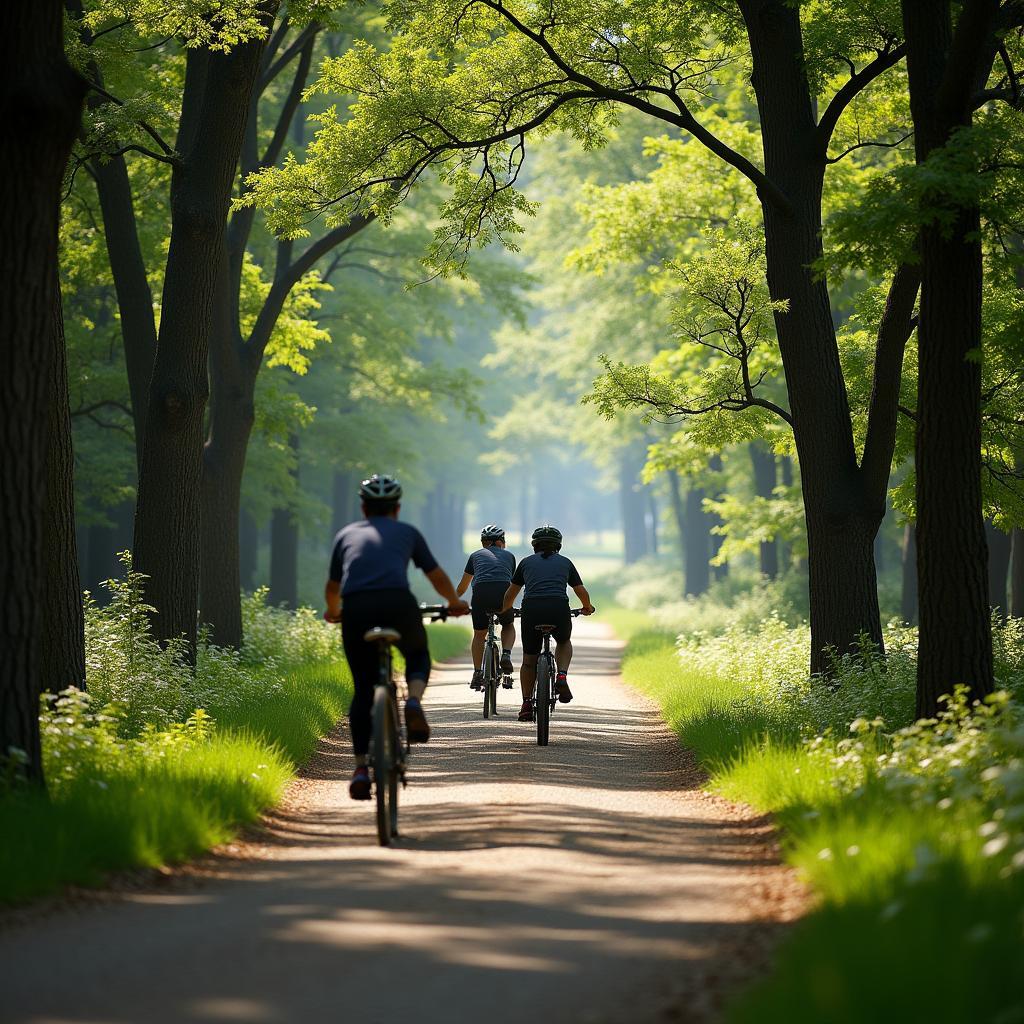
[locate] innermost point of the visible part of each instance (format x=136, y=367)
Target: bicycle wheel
x=385, y=773
x=495, y=676
x=545, y=674
x=488, y=669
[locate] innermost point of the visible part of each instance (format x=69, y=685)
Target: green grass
x=913, y=922
x=137, y=809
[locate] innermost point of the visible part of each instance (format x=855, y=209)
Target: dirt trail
x=590, y=882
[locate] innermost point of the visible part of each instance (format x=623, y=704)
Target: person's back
x=374, y=554
x=547, y=574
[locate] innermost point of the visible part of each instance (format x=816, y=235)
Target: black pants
x=545, y=611
x=487, y=599
x=362, y=611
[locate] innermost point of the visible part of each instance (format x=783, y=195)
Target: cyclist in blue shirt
x=490, y=569
x=368, y=586
x=546, y=574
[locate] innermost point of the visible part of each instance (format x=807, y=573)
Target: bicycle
x=389, y=747
x=543, y=699
x=491, y=668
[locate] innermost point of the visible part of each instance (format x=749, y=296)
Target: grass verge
x=921, y=903
x=170, y=794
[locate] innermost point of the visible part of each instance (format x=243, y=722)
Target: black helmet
x=380, y=487
x=546, y=536
x=492, y=532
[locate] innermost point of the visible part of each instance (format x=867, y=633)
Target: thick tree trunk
x=841, y=518
x=762, y=460
x=631, y=501
x=167, y=528
x=249, y=549
x=955, y=642
x=1017, y=574
x=696, y=544
x=908, y=599
x=998, y=567
x=62, y=644
x=40, y=104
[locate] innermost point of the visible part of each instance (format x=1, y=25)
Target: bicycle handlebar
x=437, y=612
x=574, y=612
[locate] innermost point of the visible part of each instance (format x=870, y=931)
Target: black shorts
x=548, y=611
x=487, y=599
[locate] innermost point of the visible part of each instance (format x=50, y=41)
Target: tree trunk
x=631, y=498
x=954, y=640
x=249, y=549
x=998, y=567
x=678, y=516
x=908, y=599
x=785, y=549
x=40, y=105
x=167, y=528
x=719, y=572
x=841, y=518
x=62, y=643
x=696, y=544
x=284, y=549
x=762, y=460
x=652, y=511
x=344, y=497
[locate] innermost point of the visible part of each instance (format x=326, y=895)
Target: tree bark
x=762, y=460
x=167, y=528
x=842, y=517
x=955, y=642
x=908, y=599
x=1017, y=574
x=998, y=568
x=40, y=105
x=62, y=643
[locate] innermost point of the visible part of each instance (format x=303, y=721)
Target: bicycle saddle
x=382, y=633
x=544, y=629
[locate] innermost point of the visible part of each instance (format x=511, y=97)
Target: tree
x=40, y=98
x=569, y=65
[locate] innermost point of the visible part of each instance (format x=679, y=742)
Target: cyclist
x=545, y=574
x=490, y=569
x=368, y=574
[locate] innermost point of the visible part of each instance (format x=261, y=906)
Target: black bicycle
x=389, y=749
x=491, y=668
x=544, y=699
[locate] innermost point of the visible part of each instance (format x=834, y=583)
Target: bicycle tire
x=385, y=772
x=495, y=676
x=488, y=667
x=545, y=674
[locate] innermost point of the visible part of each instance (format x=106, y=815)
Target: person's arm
x=510, y=595
x=464, y=584
x=581, y=593
x=332, y=595
x=443, y=585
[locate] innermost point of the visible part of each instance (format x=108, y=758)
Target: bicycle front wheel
x=385, y=764
x=545, y=677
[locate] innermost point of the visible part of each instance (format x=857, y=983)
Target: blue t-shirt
x=546, y=577
x=374, y=554
x=491, y=565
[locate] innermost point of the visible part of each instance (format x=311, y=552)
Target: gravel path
x=590, y=882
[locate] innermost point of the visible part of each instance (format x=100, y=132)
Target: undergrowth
x=911, y=834
x=157, y=762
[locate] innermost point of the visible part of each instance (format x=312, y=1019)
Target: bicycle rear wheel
x=545, y=676
x=489, y=681
x=385, y=767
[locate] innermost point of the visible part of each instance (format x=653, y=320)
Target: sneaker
x=359, y=788
x=506, y=682
x=526, y=711
x=562, y=690
x=416, y=725
x=477, y=682
x=506, y=663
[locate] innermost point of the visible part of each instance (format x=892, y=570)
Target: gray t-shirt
x=546, y=577
x=374, y=554
x=491, y=565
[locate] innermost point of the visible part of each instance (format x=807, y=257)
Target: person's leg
x=477, y=647
x=363, y=662
x=528, y=675
x=414, y=648
x=508, y=637
x=563, y=655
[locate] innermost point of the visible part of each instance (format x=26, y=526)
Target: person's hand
x=588, y=609
x=458, y=608
x=328, y=617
